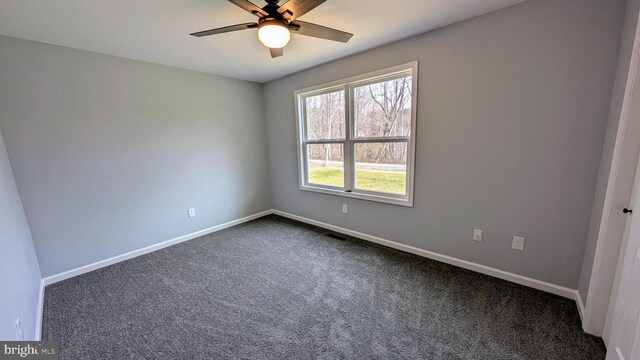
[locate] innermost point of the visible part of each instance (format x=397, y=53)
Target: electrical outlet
x=19, y=330
x=192, y=212
x=518, y=243
x=477, y=235
x=344, y=208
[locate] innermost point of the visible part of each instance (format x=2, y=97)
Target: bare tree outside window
x=325, y=116
x=383, y=109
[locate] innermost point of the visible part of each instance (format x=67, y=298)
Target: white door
x=624, y=342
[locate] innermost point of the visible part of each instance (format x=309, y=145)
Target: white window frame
x=350, y=140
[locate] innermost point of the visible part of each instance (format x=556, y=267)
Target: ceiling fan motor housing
x=272, y=21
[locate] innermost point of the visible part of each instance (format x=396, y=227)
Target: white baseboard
x=39, y=312
x=501, y=274
x=580, y=305
x=135, y=253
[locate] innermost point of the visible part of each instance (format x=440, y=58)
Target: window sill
x=400, y=200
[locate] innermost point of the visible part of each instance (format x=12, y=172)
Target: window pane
x=383, y=109
x=381, y=167
x=326, y=164
x=325, y=116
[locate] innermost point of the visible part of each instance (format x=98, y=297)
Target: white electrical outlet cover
x=192, y=212
x=518, y=243
x=477, y=235
x=344, y=208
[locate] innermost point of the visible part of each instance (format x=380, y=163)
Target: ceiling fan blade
x=225, y=29
x=249, y=7
x=319, y=31
x=276, y=52
x=293, y=9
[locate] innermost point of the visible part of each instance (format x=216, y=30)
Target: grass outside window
x=366, y=179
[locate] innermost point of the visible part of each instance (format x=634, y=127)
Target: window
x=356, y=136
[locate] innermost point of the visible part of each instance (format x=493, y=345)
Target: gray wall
x=512, y=110
x=628, y=35
x=20, y=282
x=109, y=153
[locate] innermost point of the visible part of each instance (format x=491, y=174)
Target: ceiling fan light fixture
x=275, y=22
x=273, y=34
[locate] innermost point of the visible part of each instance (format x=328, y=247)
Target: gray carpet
x=278, y=289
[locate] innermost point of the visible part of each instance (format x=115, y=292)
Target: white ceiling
x=157, y=31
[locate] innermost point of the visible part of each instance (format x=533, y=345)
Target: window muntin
x=356, y=136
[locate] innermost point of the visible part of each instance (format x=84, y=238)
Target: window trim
x=349, y=141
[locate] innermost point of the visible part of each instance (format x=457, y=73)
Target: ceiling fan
x=276, y=23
